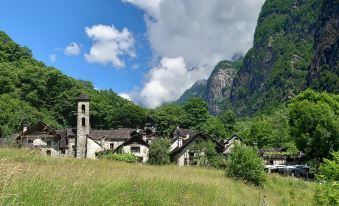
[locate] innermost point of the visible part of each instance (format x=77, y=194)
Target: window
x=30, y=141
x=111, y=146
x=48, y=152
x=83, y=122
x=63, y=151
x=49, y=143
x=135, y=149
x=83, y=108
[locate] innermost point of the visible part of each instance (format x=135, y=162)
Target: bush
x=327, y=192
x=158, y=152
x=124, y=157
x=206, y=155
x=244, y=163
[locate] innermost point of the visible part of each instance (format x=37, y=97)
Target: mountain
x=216, y=90
x=197, y=90
x=219, y=85
x=324, y=69
x=277, y=67
x=31, y=91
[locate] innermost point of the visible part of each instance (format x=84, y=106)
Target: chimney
x=179, y=141
x=24, y=127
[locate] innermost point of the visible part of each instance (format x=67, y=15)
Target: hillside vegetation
x=26, y=177
x=31, y=91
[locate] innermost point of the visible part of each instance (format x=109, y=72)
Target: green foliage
x=314, y=121
x=158, y=152
x=31, y=91
x=327, y=192
x=214, y=127
x=244, y=163
x=124, y=157
x=168, y=117
x=268, y=131
x=206, y=155
x=229, y=120
x=196, y=113
x=197, y=90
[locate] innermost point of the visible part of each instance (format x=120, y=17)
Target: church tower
x=82, y=125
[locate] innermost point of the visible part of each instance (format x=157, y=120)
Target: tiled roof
x=122, y=133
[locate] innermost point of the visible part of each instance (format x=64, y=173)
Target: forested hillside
x=275, y=69
x=31, y=91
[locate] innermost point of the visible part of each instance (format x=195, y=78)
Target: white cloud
x=125, y=96
x=109, y=45
x=166, y=82
x=200, y=31
x=73, y=49
x=52, y=58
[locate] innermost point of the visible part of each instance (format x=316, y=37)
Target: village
x=83, y=142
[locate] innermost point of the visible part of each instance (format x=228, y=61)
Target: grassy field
x=27, y=178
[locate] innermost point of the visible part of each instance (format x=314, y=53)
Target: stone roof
x=122, y=134
x=83, y=97
x=180, y=132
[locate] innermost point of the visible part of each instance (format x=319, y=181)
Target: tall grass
x=27, y=178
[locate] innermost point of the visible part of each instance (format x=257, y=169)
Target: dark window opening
x=135, y=149
x=49, y=143
x=111, y=146
x=83, y=108
x=63, y=151
x=30, y=141
x=83, y=123
x=48, y=153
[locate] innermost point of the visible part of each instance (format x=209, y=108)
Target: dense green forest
x=31, y=91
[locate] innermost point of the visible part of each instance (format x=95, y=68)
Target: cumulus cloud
x=200, y=32
x=167, y=82
x=52, y=58
x=109, y=45
x=73, y=49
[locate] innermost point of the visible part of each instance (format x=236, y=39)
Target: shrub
x=327, y=192
x=124, y=157
x=158, y=152
x=206, y=155
x=244, y=163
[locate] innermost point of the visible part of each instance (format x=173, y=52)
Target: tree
x=228, y=118
x=244, y=163
x=168, y=117
x=214, y=128
x=314, y=122
x=158, y=152
x=196, y=110
x=327, y=192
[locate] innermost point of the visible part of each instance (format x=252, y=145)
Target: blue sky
x=47, y=27
x=142, y=49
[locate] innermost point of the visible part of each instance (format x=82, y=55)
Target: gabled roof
x=135, y=138
x=177, y=150
x=181, y=132
x=121, y=134
x=38, y=127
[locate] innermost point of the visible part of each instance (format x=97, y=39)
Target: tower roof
x=83, y=97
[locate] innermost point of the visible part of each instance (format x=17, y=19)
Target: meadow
x=28, y=178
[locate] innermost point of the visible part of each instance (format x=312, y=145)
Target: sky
x=148, y=51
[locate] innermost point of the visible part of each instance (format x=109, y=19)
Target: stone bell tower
x=82, y=125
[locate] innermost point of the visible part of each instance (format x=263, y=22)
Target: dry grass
x=27, y=178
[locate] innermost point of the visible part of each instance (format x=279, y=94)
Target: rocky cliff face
x=276, y=68
x=219, y=85
x=197, y=90
x=324, y=69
